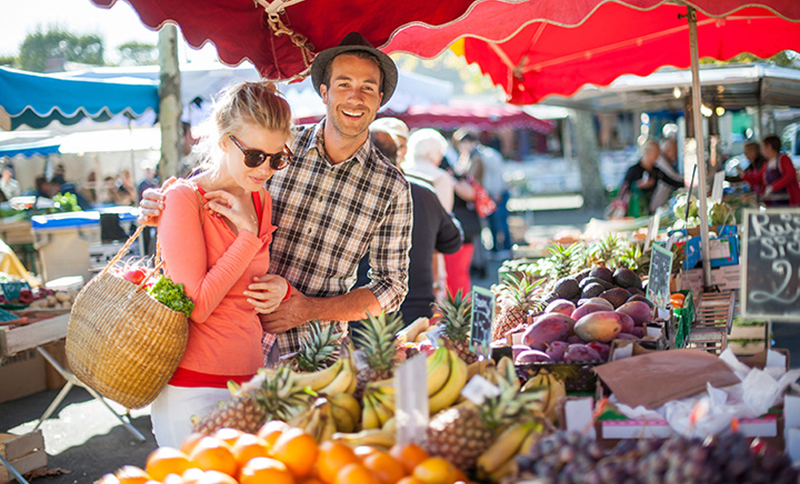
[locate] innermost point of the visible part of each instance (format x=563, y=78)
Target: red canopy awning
x=475, y=116
x=241, y=29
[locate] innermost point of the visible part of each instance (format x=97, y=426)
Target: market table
x=35, y=336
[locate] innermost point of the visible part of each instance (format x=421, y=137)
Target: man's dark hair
x=774, y=142
x=326, y=74
x=385, y=144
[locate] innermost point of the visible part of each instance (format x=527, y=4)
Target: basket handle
x=124, y=249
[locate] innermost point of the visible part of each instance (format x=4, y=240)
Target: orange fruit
x=410, y=480
x=332, y=457
x=435, y=470
x=249, y=446
x=227, y=435
x=410, y=456
x=385, y=467
x=310, y=480
x=263, y=470
x=460, y=476
x=188, y=444
x=211, y=454
x=166, y=460
x=356, y=474
x=216, y=477
x=191, y=476
x=362, y=451
x=271, y=430
x=131, y=475
x=298, y=450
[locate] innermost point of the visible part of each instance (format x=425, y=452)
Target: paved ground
x=86, y=439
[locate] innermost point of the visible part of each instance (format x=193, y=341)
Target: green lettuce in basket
x=172, y=295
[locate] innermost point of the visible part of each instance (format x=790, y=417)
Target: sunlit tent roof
x=37, y=99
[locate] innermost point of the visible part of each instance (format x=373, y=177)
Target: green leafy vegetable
x=172, y=295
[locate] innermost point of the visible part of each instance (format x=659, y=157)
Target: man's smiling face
x=353, y=95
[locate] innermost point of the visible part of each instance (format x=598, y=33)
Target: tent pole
x=702, y=186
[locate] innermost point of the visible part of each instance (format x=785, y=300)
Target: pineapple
x=608, y=251
x=563, y=260
x=462, y=433
x=318, y=349
x=376, y=346
x=269, y=395
x=455, y=316
x=518, y=297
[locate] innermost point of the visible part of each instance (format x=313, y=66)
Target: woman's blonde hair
x=258, y=103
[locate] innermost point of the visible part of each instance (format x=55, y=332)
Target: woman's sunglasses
x=256, y=158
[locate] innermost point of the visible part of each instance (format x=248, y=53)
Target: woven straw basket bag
x=122, y=342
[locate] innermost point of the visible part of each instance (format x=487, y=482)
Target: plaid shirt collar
x=317, y=142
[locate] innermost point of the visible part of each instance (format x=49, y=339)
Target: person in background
x=398, y=130
x=150, y=179
x=667, y=164
x=750, y=175
x=8, y=184
x=427, y=147
x=470, y=167
x=497, y=188
x=644, y=176
x=214, y=235
x=778, y=175
x=434, y=229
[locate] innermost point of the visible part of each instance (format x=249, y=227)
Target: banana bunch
x=378, y=408
x=447, y=375
x=317, y=420
x=338, y=378
x=373, y=437
x=499, y=460
x=551, y=389
x=346, y=412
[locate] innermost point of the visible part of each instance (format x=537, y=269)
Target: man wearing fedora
x=339, y=199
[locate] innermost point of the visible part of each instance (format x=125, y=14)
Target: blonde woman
x=214, y=233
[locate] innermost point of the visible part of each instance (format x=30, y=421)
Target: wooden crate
x=24, y=452
x=13, y=341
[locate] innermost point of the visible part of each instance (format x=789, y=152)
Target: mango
x=517, y=349
x=579, y=353
x=588, y=308
x=600, y=326
x=638, y=311
x=562, y=306
x=626, y=336
x=599, y=300
x=546, y=329
x=601, y=348
x=557, y=349
x=638, y=331
x=532, y=356
x=626, y=323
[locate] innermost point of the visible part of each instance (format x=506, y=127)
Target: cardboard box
x=59, y=352
x=21, y=375
x=24, y=452
x=764, y=426
x=728, y=278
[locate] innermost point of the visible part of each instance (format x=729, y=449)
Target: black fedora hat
x=350, y=43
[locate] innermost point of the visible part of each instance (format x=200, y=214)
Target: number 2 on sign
x=784, y=268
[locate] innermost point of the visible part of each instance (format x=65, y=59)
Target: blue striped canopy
x=37, y=99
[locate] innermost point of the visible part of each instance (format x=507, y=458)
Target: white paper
x=791, y=411
x=792, y=437
x=412, y=404
x=578, y=416
x=516, y=338
x=716, y=191
x=479, y=389
x=775, y=360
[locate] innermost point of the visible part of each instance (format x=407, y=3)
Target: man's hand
x=152, y=203
x=266, y=293
x=290, y=314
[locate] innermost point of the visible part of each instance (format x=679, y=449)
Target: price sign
x=658, y=282
x=482, y=320
x=412, y=405
x=771, y=264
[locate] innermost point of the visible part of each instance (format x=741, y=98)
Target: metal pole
x=702, y=185
x=170, y=109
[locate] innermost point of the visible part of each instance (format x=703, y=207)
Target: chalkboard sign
x=482, y=320
x=771, y=264
x=658, y=282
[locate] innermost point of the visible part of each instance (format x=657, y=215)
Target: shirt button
x=309, y=231
x=321, y=198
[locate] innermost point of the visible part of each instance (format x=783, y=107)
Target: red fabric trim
x=256, y=202
x=194, y=379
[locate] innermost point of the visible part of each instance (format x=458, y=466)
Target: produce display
x=728, y=458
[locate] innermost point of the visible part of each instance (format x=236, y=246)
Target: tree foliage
x=8, y=60
x=138, y=53
x=41, y=49
x=784, y=58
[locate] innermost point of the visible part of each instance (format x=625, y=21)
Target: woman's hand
x=232, y=208
x=152, y=203
x=266, y=293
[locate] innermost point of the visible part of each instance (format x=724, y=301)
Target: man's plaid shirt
x=328, y=216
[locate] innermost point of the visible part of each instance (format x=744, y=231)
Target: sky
x=116, y=25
